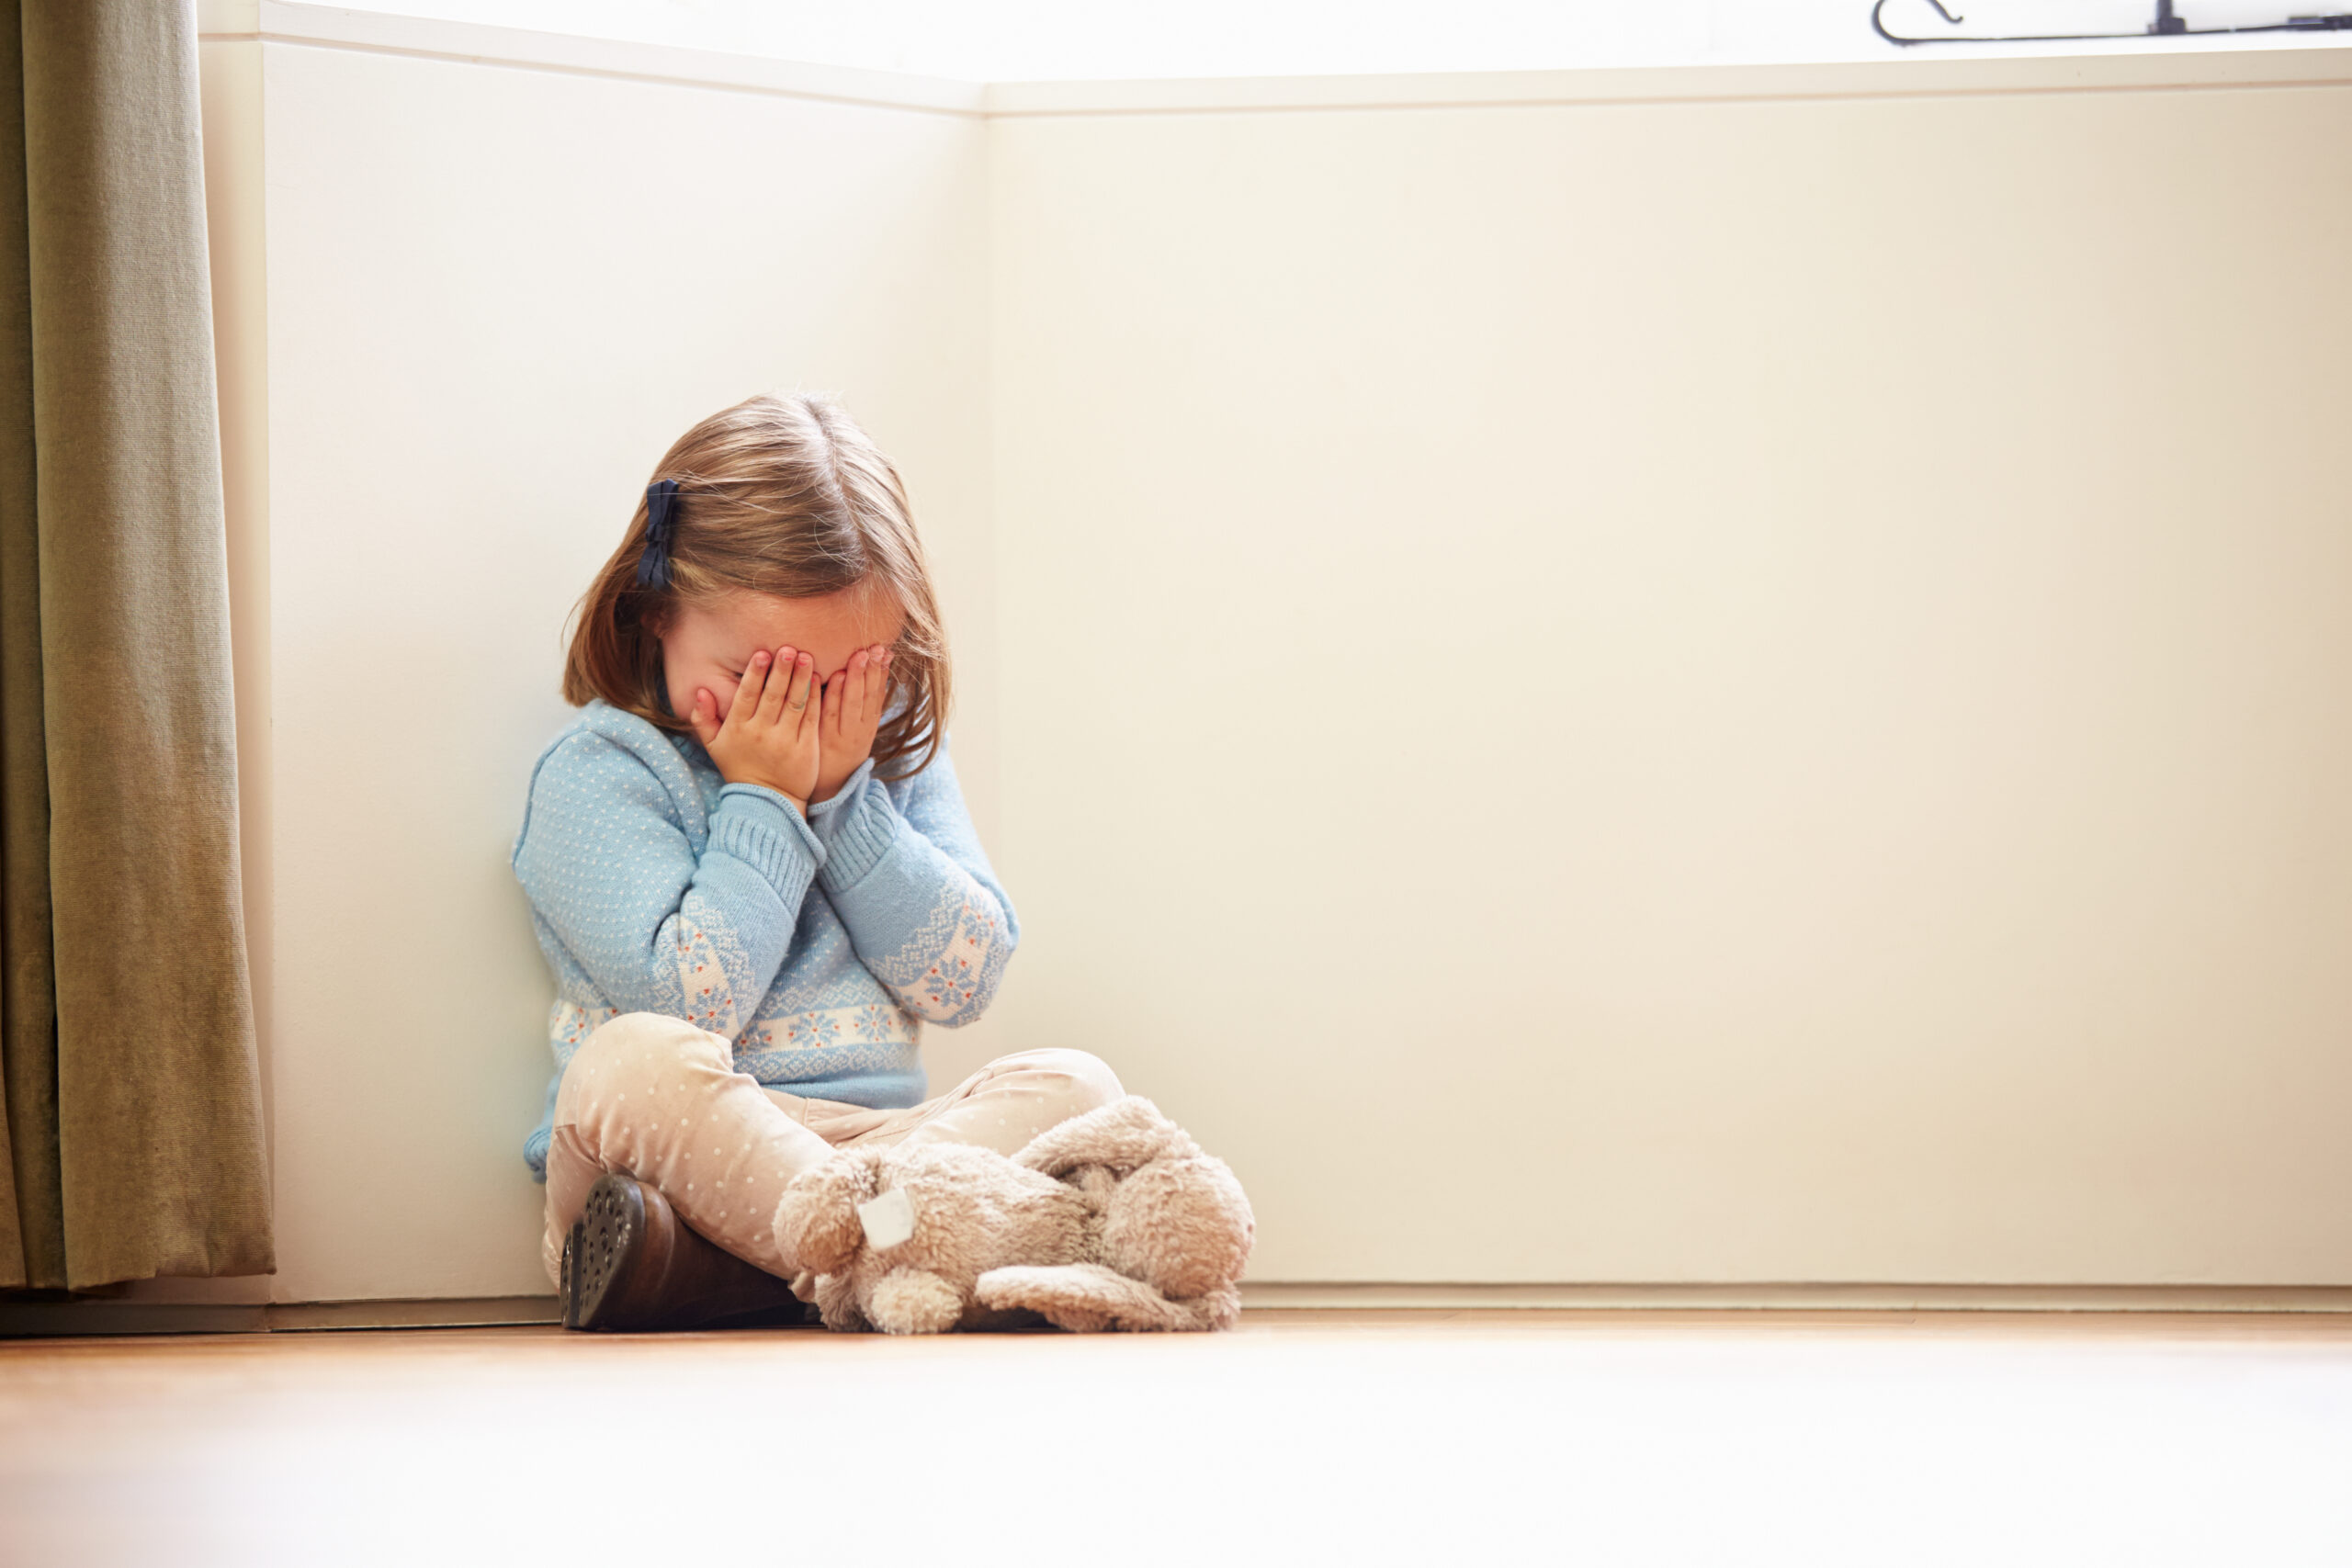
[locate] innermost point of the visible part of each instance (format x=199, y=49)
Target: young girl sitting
x=752, y=873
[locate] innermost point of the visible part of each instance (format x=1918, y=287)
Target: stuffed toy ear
x=1123, y=1134
x=816, y=1220
x=1087, y=1298
x=1182, y=1225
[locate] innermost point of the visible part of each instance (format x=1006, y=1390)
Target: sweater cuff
x=821, y=812
x=857, y=835
x=759, y=828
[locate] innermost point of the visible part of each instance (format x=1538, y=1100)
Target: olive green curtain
x=132, y=1133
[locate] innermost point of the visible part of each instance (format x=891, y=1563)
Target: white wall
x=1028, y=40
x=1734, y=688
x=494, y=296
x=1658, y=676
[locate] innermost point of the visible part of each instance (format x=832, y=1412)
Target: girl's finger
x=705, y=717
x=796, y=699
x=747, y=690
x=878, y=681
x=831, y=716
x=772, y=701
x=854, y=692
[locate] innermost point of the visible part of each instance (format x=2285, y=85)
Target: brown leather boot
x=630, y=1264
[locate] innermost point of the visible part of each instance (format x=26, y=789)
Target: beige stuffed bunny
x=1114, y=1219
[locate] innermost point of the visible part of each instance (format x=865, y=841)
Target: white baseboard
x=55, y=1319
x=52, y=1318
x=471, y=1312
x=1279, y=1296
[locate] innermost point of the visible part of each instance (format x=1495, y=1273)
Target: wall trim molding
x=1275, y=1295
x=55, y=1319
x=110, y=1317
x=473, y=43
x=466, y=1311
x=2320, y=60
x=1631, y=86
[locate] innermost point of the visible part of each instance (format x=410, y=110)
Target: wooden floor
x=1426, y=1437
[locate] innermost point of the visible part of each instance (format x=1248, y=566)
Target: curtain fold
x=133, y=1116
x=31, y=1219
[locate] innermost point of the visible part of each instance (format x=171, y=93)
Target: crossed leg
x=657, y=1099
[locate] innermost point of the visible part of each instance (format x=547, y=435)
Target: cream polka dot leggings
x=658, y=1098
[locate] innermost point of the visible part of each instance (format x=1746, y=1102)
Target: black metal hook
x=1880, y=27
x=2166, y=25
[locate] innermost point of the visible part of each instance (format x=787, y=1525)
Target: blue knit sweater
x=818, y=947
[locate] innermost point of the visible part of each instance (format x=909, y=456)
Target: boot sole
x=565, y=1291
x=619, y=1264
x=603, y=1253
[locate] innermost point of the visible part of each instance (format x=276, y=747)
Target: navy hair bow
x=660, y=519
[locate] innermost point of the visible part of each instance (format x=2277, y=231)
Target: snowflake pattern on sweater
x=818, y=947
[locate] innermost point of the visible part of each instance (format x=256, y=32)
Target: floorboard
x=1359, y=1435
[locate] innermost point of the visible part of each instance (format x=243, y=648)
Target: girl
x=752, y=871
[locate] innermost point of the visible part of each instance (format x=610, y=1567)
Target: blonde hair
x=777, y=495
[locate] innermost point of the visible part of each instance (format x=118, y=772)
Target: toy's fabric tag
x=889, y=1219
